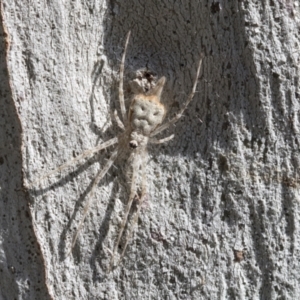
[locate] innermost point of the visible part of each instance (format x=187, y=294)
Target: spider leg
x=187, y=102
x=96, y=181
x=119, y=122
x=121, y=92
x=156, y=141
x=133, y=188
x=76, y=159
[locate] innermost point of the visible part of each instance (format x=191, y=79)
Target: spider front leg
x=187, y=102
x=163, y=140
x=119, y=122
x=121, y=91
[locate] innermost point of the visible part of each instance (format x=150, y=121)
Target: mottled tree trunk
x=221, y=220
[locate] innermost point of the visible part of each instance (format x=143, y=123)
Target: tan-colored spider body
x=143, y=122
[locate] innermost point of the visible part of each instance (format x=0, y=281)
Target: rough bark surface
x=222, y=215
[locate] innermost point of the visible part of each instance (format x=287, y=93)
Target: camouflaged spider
x=143, y=122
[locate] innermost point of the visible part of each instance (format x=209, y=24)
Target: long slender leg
x=121, y=92
x=136, y=216
x=72, y=161
x=187, y=102
x=133, y=189
x=119, y=122
x=96, y=181
x=156, y=141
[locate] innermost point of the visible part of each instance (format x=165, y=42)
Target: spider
x=139, y=128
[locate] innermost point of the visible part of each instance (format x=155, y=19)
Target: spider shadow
x=105, y=223
x=103, y=230
x=80, y=202
x=96, y=72
x=96, y=78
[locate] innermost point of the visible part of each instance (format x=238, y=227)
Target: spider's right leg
x=76, y=159
x=96, y=181
x=156, y=141
x=185, y=105
x=121, y=91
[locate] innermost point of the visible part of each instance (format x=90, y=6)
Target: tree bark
x=221, y=220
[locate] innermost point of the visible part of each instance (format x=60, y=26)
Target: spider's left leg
x=121, y=91
x=96, y=181
x=119, y=122
x=187, y=102
x=83, y=155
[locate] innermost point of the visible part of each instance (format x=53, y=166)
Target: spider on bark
x=139, y=128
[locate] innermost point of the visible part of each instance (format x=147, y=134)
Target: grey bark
x=222, y=215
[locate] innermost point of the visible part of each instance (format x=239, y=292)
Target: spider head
x=146, y=110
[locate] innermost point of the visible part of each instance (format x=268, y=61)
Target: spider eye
x=156, y=113
x=133, y=144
